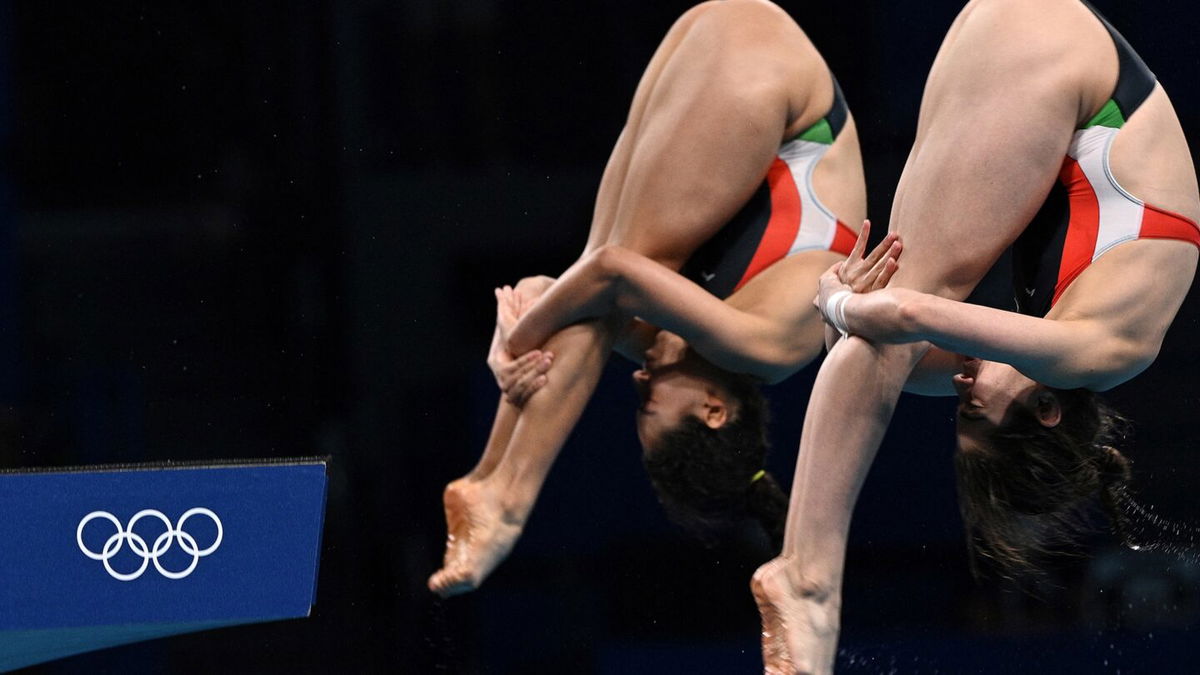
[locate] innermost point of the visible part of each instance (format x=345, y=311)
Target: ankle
x=803, y=583
x=513, y=506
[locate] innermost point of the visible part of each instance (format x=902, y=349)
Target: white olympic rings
x=138, y=545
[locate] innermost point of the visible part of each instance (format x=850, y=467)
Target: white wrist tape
x=835, y=311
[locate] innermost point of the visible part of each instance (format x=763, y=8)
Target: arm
x=616, y=280
x=631, y=342
x=1061, y=353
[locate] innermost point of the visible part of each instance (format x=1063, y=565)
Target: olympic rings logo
x=137, y=544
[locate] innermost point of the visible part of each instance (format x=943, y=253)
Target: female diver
x=1040, y=127
x=736, y=111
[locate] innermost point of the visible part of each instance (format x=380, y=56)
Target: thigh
x=608, y=194
x=703, y=133
x=1009, y=86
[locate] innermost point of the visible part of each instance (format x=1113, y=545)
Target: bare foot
x=799, y=623
x=478, y=538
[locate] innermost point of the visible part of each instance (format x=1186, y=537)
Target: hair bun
x=767, y=503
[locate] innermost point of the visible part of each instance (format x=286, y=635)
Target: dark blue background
x=272, y=229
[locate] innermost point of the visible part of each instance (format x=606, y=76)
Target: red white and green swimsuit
x=783, y=218
x=1088, y=212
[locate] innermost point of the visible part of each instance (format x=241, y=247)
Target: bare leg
x=731, y=80
x=799, y=593
x=1000, y=106
x=485, y=517
x=461, y=493
x=607, y=199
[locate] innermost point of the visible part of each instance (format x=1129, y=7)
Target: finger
x=528, y=363
x=529, y=358
x=873, y=275
x=507, y=303
x=501, y=307
x=879, y=251
x=834, y=270
x=514, y=303
x=860, y=244
x=517, y=302
x=889, y=270
x=516, y=395
x=525, y=380
x=524, y=388
x=514, y=367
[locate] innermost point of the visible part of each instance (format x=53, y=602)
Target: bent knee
x=757, y=53
x=750, y=26
x=1036, y=37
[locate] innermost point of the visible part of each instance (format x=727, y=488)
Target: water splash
x=883, y=660
x=1148, y=531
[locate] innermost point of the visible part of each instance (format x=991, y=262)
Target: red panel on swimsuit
x=1162, y=224
x=783, y=225
x=843, y=239
x=1083, y=229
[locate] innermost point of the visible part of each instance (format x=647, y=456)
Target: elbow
x=777, y=359
x=609, y=262
x=782, y=365
x=612, y=267
x=1122, y=360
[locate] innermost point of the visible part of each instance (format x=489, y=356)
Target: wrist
x=835, y=311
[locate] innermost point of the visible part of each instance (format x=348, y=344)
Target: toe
x=435, y=580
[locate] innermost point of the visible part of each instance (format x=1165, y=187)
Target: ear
x=1048, y=409
x=716, y=413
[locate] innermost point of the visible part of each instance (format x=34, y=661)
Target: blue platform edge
x=212, y=544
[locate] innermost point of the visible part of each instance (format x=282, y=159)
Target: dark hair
x=705, y=478
x=1025, y=495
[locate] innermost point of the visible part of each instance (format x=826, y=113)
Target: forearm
x=890, y=315
x=585, y=290
x=615, y=281
x=1062, y=353
x=851, y=404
